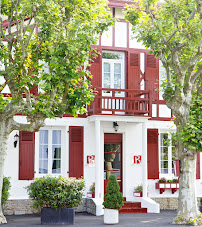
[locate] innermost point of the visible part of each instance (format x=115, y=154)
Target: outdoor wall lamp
x=115, y=126
x=16, y=138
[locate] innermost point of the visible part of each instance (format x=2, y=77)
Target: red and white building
x=127, y=78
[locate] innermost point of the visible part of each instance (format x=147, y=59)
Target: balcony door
x=113, y=77
x=112, y=158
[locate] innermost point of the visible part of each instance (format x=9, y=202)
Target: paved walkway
x=163, y=219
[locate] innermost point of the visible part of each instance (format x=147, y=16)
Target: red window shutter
x=76, y=151
x=198, y=166
x=152, y=75
x=152, y=154
x=26, y=155
x=96, y=70
x=133, y=70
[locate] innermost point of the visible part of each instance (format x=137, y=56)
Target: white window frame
x=168, y=175
x=63, y=155
x=112, y=62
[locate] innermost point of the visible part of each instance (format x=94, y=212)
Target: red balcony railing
x=121, y=102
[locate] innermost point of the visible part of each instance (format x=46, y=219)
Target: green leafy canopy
x=47, y=46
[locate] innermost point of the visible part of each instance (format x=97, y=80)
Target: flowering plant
x=56, y=192
x=162, y=180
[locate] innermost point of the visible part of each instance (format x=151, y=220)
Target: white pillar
x=99, y=172
x=144, y=158
x=97, y=160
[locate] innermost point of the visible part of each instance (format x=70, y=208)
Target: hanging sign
x=91, y=160
x=137, y=159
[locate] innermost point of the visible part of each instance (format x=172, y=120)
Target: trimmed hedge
x=56, y=192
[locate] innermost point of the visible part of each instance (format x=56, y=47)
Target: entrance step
x=132, y=207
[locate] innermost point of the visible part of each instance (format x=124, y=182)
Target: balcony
x=121, y=102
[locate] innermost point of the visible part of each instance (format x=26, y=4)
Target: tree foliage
x=172, y=30
x=46, y=45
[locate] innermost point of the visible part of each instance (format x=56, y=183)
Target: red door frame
x=114, y=138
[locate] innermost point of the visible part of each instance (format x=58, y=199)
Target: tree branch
x=2, y=32
x=196, y=75
x=192, y=61
x=28, y=98
x=32, y=126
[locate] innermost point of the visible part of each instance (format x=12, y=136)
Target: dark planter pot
x=62, y=216
x=200, y=209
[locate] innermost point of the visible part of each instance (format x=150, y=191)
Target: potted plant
x=138, y=191
x=162, y=180
x=57, y=197
x=5, y=190
x=113, y=201
x=92, y=190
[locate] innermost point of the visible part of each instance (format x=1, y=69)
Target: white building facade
x=126, y=77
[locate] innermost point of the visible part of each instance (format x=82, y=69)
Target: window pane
x=107, y=82
x=56, y=137
x=164, y=153
x=56, y=167
x=164, y=137
x=56, y=152
x=107, y=55
x=117, y=75
x=106, y=67
x=43, y=166
x=117, y=68
x=43, y=151
x=108, y=173
x=43, y=136
x=164, y=166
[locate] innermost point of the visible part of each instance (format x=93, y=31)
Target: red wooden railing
x=121, y=102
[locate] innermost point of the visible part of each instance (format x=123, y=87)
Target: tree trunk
x=3, y=152
x=187, y=202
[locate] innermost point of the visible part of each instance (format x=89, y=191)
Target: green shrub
x=113, y=197
x=5, y=190
x=176, y=180
x=56, y=192
x=138, y=188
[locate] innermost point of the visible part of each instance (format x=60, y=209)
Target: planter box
x=62, y=216
x=137, y=194
x=111, y=216
x=90, y=195
x=168, y=185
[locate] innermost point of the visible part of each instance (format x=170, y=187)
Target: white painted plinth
x=111, y=216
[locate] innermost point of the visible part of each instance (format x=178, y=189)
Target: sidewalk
x=163, y=219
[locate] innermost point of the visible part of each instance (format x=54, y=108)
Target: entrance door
x=112, y=158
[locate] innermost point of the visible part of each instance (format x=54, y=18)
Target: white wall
x=132, y=145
